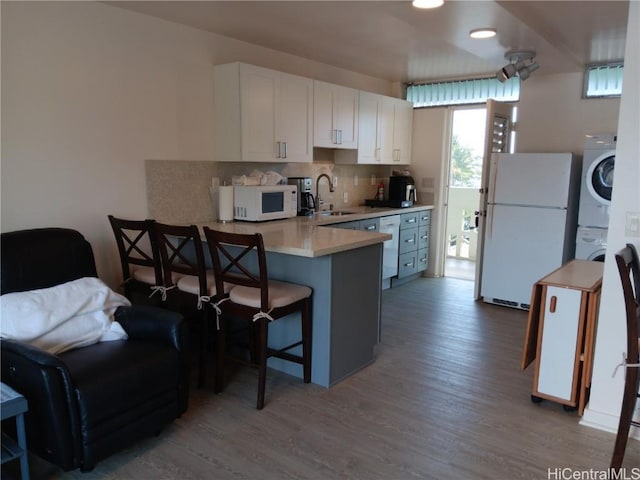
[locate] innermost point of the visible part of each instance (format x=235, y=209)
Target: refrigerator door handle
x=493, y=174
x=488, y=222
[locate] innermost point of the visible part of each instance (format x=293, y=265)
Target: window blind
x=463, y=92
x=603, y=80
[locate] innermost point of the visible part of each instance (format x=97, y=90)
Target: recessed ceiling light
x=482, y=33
x=427, y=3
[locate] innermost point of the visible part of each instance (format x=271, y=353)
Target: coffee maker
x=306, y=203
x=402, y=188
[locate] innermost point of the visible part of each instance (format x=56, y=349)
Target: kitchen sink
x=331, y=213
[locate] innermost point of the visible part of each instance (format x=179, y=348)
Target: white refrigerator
x=530, y=228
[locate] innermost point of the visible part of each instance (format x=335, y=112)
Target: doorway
x=467, y=147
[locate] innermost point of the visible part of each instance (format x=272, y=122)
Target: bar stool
x=139, y=255
x=629, y=269
x=257, y=299
x=186, y=278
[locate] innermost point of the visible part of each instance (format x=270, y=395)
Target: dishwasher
x=390, y=225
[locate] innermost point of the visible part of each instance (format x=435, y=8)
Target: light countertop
x=312, y=236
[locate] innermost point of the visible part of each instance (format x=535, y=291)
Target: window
x=603, y=80
x=463, y=92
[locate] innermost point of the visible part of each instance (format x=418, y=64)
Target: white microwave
x=264, y=202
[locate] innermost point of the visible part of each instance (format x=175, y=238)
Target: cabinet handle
x=552, y=304
x=410, y=264
x=409, y=240
x=339, y=137
x=278, y=154
x=370, y=227
x=423, y=260
x=411, y=220
x=286, y=148
x=334, y=135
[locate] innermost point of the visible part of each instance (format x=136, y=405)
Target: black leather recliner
x=85, y=404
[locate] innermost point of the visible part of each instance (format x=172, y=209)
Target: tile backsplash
x=179, y=191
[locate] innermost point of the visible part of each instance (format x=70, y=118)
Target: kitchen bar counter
x=301, y=236
x=344, y=269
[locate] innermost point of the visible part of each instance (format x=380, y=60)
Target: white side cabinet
x=262, y=115
x=384, y=131
x=560, y=333
x=335, y=116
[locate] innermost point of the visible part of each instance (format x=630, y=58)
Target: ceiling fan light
x=427, y=3
x=482, y=33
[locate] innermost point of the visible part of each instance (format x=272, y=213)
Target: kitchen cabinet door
x=259, y=88
x=368, y=128
x=294, y=119
x=335, y=116
x=402, y=131
x=262, y=115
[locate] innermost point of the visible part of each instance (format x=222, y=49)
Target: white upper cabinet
x=335, y=116
x=262, y=115
x=384, y=131
x=402, y=130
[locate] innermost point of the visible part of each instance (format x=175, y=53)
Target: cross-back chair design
x=139, y=256
x=240, y=260
x=186, y=278
x=629, y=269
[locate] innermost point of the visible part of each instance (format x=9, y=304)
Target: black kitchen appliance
x=306, y=203
x=402, y=192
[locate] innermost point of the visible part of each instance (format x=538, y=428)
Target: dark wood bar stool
x=629, y=269
x=139, y=256
x=187, y=279
x=240, y=260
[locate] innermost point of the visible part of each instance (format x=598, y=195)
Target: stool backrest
x=239, y=259
x=629, y=269
x=137, y=245
x=181, y=253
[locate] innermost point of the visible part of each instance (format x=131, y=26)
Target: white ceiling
x=397, y=42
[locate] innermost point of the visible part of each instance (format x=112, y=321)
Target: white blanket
x=66, y=316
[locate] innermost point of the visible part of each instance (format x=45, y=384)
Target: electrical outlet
x=345, y=197
x=374, y=181
x=355, y=180
x=335, y=181
x=632, y=224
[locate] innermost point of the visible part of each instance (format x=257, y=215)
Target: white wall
x=90, y=91
x=606, y=392
x=554, y=118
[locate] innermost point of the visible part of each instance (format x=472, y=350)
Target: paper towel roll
x=225, y=204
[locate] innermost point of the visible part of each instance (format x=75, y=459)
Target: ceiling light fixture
x=427, y=3
x=482, y=33
x=517, y=65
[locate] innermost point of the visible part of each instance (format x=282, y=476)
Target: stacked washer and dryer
x=595, y=196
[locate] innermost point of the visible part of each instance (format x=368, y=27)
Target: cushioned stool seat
x=281, y=294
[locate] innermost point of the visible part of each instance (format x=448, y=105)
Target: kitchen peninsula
x=344, y=268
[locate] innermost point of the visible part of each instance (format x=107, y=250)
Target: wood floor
x=445, y=399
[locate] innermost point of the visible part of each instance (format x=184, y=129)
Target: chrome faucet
x=318, y=199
